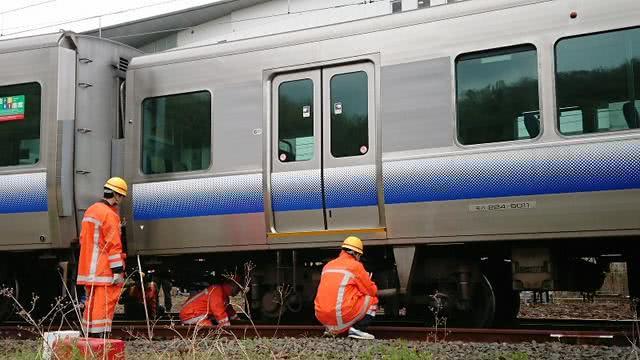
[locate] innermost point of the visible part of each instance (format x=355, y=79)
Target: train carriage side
x=58, y=115
x=409, y=130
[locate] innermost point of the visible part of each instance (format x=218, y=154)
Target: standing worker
x=347, y=298
x=212, y=302
x=101, y=265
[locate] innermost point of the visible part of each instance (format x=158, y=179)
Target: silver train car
x=479, y=148
x=61, y=135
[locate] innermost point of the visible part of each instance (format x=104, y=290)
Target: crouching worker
x=211, y=303
x=346, y=299
x=134, y=303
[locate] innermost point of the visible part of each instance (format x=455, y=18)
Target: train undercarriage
x=471, y=285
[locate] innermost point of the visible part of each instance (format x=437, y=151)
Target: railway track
x=164, y=330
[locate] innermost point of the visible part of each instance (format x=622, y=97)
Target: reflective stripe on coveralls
x=340, y=325
x=211, y=302
x=100, y=245
x=100, y=307
x=95, y=252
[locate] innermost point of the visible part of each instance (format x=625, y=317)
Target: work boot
x=357, y=334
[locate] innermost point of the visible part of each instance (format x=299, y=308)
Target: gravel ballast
x=341, y=348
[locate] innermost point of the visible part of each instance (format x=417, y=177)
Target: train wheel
x=507, y=300
x=272, y=305
x=484, y=304
x=445, y=307
x=8, y=282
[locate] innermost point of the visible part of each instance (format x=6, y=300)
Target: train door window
x=349, y=114
x=20, y=124
x=497, y=95
x=295, y=125
x=176, y=133
x=598, y=82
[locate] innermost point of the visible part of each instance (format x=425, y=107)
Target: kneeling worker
x=347, y=298
x=212, y=302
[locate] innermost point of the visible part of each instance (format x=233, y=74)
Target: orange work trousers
x=100, y=307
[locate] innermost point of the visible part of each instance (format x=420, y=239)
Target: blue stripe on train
x=23, y=193
x=567, y=169
x=296, y=190
x=237, y=194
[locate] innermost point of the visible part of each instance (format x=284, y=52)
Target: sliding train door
x=349, y=147
x=296, y=176
x=324, y=155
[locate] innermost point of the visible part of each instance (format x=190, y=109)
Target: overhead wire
x=26, y=7
x=355, y=3
x=288, y=12
x=42, y=26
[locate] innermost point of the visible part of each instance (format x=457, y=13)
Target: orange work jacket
x=100, y=245
x=345, y=293
x=212, y=301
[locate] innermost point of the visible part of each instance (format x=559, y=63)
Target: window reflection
x=176, y=133
x=295, y=120
x=598, y=82
x=349, y=114
x=497, y=96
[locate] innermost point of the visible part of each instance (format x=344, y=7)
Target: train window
x=598, y=82
x=295, y=120
x=176, y=133
x=349, y=114
x=497, y=95
x=20, y=124
x=396, y=6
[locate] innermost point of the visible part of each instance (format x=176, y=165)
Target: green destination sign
x=11, y=108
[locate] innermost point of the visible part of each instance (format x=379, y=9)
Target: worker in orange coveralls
x=347, y=298
x=134, y=304
x=212, y=302
x=101, y=264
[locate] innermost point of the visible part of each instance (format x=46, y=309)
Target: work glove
x=118, y=279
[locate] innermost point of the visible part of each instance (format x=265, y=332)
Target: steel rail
x=164, y=331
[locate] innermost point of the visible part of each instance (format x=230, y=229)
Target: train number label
x=520, y=205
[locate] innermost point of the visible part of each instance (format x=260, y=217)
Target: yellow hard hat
x=118, y=185
x=353, y=243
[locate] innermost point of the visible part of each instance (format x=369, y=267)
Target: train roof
x=65, y=39
x=202, y=50
x=32, y=42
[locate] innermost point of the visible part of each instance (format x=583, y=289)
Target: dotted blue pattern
x=237, y=194
x=567, y=169
x=23, y=193
x=351, y=186
x=296, y=190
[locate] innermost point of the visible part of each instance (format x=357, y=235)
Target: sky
x=31, y=17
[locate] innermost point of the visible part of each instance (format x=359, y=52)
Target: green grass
x=264, y=349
